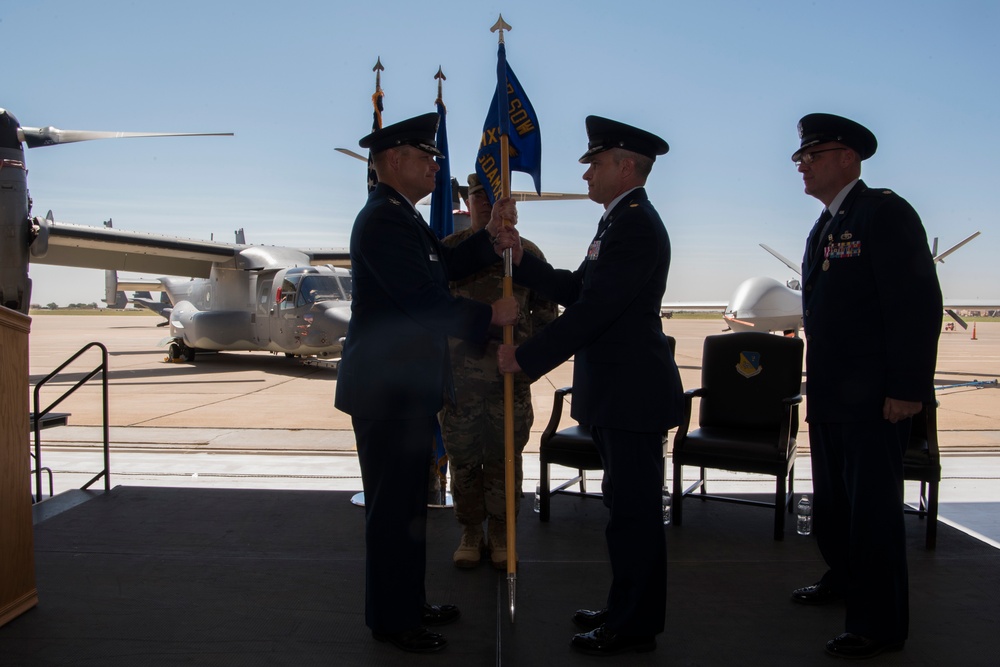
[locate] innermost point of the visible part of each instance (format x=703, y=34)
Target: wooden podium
x=17, y=549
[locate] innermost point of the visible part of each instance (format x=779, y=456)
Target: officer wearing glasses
x=872, y=315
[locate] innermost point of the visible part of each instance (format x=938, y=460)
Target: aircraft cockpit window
x=287, y=293
x=318, y=288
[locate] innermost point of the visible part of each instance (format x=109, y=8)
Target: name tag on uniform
x=434, y=257
x=594, y=250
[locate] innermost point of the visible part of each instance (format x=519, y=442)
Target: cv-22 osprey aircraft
x=238, y=297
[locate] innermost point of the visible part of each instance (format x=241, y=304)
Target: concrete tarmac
x=208, y=422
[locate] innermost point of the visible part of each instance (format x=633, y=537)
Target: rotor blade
x=784, y=260
x=955, y=247
x=348, y=151
x=36, y=137
x=519, y=195
x=516, y=195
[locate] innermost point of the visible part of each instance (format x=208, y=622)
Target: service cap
x=418, y=132
x=820, y=128
x=604, y=134
x=474, y=184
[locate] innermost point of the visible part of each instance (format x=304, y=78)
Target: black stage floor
x=160, y=576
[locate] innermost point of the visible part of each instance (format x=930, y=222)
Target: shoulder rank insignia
x=887, y=192
x=749, y=364
x=632, y=205
x=393, y=201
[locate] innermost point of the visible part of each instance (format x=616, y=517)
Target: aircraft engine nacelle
x=15, y=230
x=211, y=330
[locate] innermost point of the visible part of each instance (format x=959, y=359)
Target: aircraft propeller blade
x=36, y=137
x=348, y=151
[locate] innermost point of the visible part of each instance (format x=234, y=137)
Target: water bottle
x=804, y=514
x=538, y=498
x=666, y=506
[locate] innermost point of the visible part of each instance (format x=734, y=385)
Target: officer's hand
x=507, y=359
x=509, y=238
x=896, y=410
x=504, y=210
x=504, y=311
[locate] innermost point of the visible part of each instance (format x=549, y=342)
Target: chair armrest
x=789, y=421
x=682, y=428
x=557, y=407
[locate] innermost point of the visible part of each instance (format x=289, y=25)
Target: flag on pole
x=442, y=224
x=442, y=220
x=376, y=119
x=510, y=113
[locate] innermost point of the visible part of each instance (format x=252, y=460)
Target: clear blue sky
x=724, y=82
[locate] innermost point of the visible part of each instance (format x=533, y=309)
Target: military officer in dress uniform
x=395, y=371
x=872, y=315
x=626, y=387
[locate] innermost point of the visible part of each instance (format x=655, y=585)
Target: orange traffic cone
x=974, y=331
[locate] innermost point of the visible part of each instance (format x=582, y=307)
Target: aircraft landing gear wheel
x=187, y=353
x=174, y=352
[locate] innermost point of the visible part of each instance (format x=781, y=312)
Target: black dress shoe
x=439, y=614
x=602, y=642
x=586, y=619
x=818, y=593
x=857, y=647
x=420, y=640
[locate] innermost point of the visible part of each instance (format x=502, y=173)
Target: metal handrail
x=40, y=414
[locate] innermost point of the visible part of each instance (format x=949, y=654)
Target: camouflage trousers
x=473, y=437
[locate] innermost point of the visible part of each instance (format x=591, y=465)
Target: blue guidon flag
x=749, y=364
x=511, y=114
x=442, y=213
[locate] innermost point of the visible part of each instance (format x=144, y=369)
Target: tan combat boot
x=498, y=544
x=470, y=549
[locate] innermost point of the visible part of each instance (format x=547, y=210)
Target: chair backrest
x=744, y=378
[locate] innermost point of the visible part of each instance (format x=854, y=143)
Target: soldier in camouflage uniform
x=473, y=427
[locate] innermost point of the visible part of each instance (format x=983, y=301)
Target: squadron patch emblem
x=749, y=364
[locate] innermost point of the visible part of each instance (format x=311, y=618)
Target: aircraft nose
x=335, y=318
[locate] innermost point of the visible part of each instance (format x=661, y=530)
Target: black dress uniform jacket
x=624, y=375
x=871, y=309
x=395, y=362
x=625, y=387
x=393, y=375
